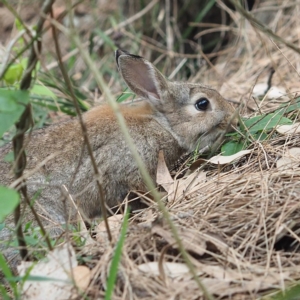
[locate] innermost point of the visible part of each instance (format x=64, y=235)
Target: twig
x=289, y=62
x=269, y=82
x=169, y=32
x=179, y=66
x=21, y=179
x=22, y=126
x=20, y=163
x=83, y=230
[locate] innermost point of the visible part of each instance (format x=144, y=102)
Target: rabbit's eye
x=202, y=104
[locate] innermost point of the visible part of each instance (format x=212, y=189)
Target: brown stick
x=22, y=126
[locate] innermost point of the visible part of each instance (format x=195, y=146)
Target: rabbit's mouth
x=215, y=135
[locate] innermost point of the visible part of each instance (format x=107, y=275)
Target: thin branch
x=22, y=126
x=269, y=82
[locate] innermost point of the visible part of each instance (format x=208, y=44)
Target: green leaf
x=9, y=199
x=53, y=107
x=113, y=21
x=260, y=136
x=12, y=105
x=9, y=157
x=286, y=109
x=265, y=122
x=231, y=148
x=13, y=74
x=7, y=120
x=8, y=274
x=18, y=24
x=124, y=96
x=21, y=98
x=34, y=278
x=4, y=267
x=107, y=40
x=24, y=62
x=42, y=90
x=116, y=259
x=7, y=103
x=292, y=293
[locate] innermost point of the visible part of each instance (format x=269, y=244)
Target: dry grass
x=240, y=225
x=252, y=54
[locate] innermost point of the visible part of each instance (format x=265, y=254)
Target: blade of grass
x=106, y=39
x=199, y=17
x=3, y=293
x=54, y=108
x=8, y=274
x=113, y=271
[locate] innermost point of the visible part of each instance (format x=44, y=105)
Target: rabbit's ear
x=141, y=76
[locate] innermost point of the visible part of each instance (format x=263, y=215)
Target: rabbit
x=174, y=117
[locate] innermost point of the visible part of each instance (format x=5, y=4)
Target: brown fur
x=166, y=121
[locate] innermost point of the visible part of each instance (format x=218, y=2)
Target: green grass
x=113, y=270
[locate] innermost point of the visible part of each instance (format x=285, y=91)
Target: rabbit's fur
x=167, y=120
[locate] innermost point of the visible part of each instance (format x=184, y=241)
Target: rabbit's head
x=193, y=113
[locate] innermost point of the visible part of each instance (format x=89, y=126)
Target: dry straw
x=240, y=222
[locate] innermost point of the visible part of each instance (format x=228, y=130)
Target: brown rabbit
x=174, y=117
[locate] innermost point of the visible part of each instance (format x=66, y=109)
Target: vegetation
x=229, y=229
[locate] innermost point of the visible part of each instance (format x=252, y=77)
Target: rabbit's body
x=118, y=172
x=175, y=118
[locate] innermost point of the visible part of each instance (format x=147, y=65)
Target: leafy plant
x=9, y=277
x=12, y=105
x=8, y=201
x=257, y=128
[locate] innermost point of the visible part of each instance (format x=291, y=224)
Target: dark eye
x=202, y=104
